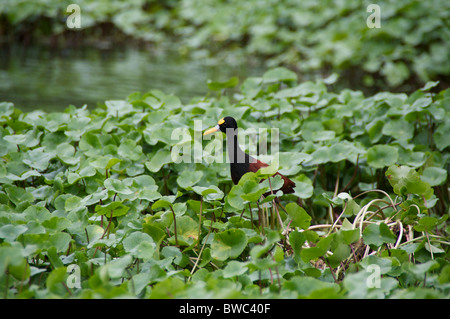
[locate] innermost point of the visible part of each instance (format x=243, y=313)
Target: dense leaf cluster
x=94, y=205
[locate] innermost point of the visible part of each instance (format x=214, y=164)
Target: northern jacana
x=241, y=162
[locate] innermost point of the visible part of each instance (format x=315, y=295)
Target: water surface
x=48, y=79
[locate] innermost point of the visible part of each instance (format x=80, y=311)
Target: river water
x=38, y=77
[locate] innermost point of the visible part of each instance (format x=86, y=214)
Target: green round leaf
x=187, y=230
x=189, y=178
x=66, y=153
x=378, y=235
x=380, y=156
x=228, y=244
x=117, y=186
x=298, y=215
x=115, y=209
x=11, y=232
x=399, y=129
x=441, y=136
x=158, y=160
x=405, y=180
x=129, y=150
x=216, y=86
x=279, y=74
x=434, y=176
x=234, y=268
x=140, y=245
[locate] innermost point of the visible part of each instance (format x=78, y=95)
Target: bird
x=240, y=162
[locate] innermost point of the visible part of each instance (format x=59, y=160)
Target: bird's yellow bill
x=212, y=130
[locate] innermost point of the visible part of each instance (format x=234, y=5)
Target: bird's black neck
x=239, y=160
x=235, y=153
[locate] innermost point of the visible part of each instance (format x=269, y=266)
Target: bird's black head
x=225, y=123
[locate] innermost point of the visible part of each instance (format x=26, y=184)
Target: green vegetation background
x=311, y=37
x=98, y=188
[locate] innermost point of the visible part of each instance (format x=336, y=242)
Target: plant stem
x=87, y=236
x=174, y=226
x=201, y=250
x=336, y=188
x=275, y=205
x=331, y=270
x=353, y=176
x=260, y=216
x=429, y=244
x=104, y=233
x=200, y=220
x=251, y=214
